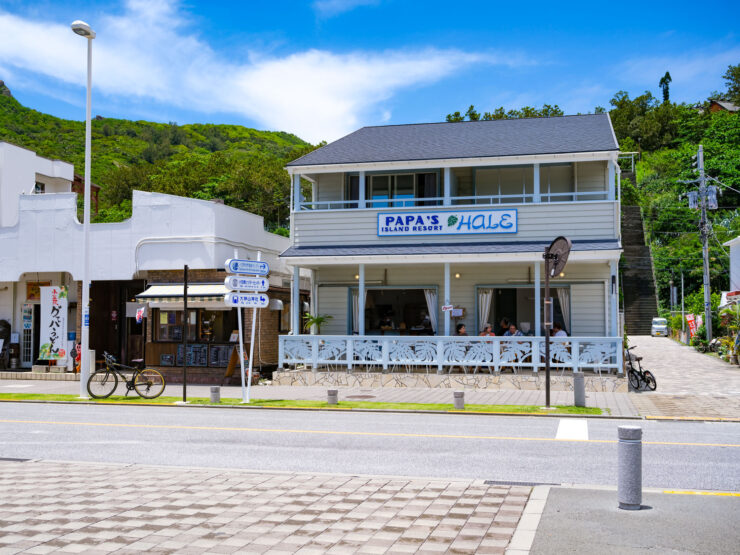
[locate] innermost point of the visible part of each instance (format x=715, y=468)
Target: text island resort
x=422, y=237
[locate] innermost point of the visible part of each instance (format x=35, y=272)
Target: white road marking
x=572, y=428
x=17, y=385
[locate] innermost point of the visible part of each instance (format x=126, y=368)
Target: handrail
x=475, y=200
x=522, y=352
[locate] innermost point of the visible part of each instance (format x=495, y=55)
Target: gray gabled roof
x=468, y=139
x=445, y=248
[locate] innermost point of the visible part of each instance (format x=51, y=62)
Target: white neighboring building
x=144, y=255
x=22, y=171
x=734, y=245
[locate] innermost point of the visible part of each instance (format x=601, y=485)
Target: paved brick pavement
x=689, y=383
x=48, y=507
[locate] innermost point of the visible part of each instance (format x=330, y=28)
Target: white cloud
x=148, y=53
x=330, y=8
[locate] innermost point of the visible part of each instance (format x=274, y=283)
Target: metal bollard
x=459, y=398
x=629, y=483
x=215, y=394
x=579, y=389
x=332, y=396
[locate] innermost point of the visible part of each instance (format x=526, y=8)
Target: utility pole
x=704, y=199
x=704, y=239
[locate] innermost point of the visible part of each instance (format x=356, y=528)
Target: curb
x=691, y=418
x=336, y=409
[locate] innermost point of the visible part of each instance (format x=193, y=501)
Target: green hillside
x=242, y=166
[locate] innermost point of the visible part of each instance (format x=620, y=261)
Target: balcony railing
x=465, y=354
x=477, y=200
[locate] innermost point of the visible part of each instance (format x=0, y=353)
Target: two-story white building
x=411, y=230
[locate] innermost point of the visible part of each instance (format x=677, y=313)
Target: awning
x=170, y=296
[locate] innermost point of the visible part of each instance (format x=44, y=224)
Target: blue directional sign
x=241, y=283
x=247, y=300
x=249, y=267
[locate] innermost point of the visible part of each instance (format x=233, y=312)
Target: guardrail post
x=314, y=353
x=497, y=355
x=575, y=354
x=215, y=394
x=440, y=356
x=384, y=354
x=535, y=355
x=620, y=355
x=629, y=483
x=281, y=351
x=350, y=352
x=579, y=389
x=332, y=396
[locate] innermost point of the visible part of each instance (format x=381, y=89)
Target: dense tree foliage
x=241, y=166
x=501, y=113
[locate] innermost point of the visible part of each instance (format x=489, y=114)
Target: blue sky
x=323, y=68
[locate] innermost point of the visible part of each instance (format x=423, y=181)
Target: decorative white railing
x=405, y=202
x=464, y=354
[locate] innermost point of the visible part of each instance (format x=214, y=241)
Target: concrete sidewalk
x=617, y=404
x=588, y=521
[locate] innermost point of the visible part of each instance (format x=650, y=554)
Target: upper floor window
x=402, y=189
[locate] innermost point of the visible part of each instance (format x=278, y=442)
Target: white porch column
x=447, y=298
x=612, y=178
x=614, y=298
x=361, y=187
x=537, y=300
x=297, y=197
x=447, y=187
x=295, y=301
x=536, y=186
x=361, y=302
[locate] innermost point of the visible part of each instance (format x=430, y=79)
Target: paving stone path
x=48, y=507
x=689, y=383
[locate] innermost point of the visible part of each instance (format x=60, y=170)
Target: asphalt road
x=694, y=455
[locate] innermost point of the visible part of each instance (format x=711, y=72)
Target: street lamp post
x=84, y=30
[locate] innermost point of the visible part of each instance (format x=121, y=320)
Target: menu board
x=219, y=356
x=197, y=355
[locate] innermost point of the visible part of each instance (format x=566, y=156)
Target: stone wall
x=496, y=382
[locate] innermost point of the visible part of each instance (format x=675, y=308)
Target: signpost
x=239, y=283
x=246, y=300
x=556, y=255
x=247, y=292
x=249, y=267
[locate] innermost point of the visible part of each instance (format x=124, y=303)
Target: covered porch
x=391, y=313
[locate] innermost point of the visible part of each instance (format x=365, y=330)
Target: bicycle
x=637, y=375
x=148, y=383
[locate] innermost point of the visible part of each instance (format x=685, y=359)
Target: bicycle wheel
x=149, y=383
x=102, y=384
x=650, y=380
x=634, y=379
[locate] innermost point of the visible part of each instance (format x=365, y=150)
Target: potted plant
x=317, y=320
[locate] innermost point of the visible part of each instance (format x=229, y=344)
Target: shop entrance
x=391, y=311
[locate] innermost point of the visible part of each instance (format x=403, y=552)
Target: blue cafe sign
x=447, y=222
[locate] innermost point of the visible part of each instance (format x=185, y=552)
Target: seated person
x=487, y=331
x=386, y=323
x=460, y=330
x=504, y=325
x=512, y=331
x=558, y=331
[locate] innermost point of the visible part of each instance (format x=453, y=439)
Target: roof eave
x=455, y=162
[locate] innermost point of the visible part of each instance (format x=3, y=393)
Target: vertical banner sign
x=692, y=324
x=53, y=323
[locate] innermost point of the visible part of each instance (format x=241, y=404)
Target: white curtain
x=431, y=296
x=484, y=307
x=564, y=298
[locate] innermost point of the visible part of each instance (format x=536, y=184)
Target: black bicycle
x=148, y=383
x=637, y=375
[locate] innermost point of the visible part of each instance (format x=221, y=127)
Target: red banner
x=691, y=321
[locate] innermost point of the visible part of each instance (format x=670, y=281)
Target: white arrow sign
x=247, y=300
x=251, y=267
x=239, y=283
